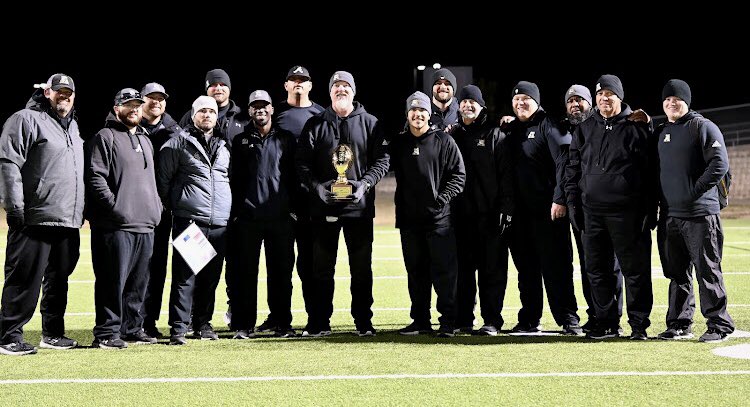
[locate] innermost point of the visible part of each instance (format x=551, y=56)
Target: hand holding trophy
x=343, y=156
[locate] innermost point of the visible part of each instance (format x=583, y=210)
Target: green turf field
x=388, y=369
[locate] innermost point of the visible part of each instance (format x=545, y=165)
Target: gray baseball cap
x=154, y=87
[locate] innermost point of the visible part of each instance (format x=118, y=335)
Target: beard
x=124, y=118
x=580, y=117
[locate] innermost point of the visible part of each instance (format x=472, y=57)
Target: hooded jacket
x=166, y=129
x=41, y=166
x=230, y=122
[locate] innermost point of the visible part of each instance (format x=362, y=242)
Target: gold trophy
x=342, y=161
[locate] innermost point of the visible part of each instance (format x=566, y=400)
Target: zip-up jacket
x=161, y=132
x=41, y=166
x=263, y=177
x=690, y=165
x=612, y=165
x=489, y=173
x=193, y=177
x=537, y=148
x=430, y=173
x=120, y=179
x=231, y=121
x=320, y=137
x=446, y=120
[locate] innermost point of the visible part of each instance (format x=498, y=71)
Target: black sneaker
x=573, y=329
x=267, y=326
x=590, y=325
x=17, y=349
x=488, y=330
x=676, y=333
x=206, y=333
x=713, y=335
x=416, y=329
x=638, y=334
x=366, y=331
x=526, y=328
x=177, y=339
x=313, y=331
x=446, y=331
x=603, y=333
x=153, y=332
x=109, y=343
x=244, y=334
x=139, y=338
x=57, y=342
x=469, y=330
x=287, y=332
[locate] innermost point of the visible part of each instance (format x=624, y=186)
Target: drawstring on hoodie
x=138, y=147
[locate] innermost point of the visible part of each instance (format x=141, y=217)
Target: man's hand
x=323, y=191
x=558, y=211
x=504, y=222
x=506, y=119
x=360, y=188
x=15, y=219
x=639, y=116
x=576, y=217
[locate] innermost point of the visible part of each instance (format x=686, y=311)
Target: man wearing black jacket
x=611, y=192
x=445, y=114
x=160, y=127
x=262, y=183
x=483, y=213
x=540, y=238
x=692, y=161
x=344, y=122
x=429, y=174
x=123, y=208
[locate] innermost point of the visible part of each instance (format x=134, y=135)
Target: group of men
x=470, y=189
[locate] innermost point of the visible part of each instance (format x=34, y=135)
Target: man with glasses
x=41, y=162
x=123, y=209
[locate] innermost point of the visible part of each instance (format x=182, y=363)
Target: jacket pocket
x=609, y=189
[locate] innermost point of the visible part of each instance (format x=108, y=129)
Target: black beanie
x=678, y=88
x=612, y=83
x=445, y=73
x=471, y=92
x=527, y=88
x=216, y=76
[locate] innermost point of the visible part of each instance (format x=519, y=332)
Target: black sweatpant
x=358, y=234
x=482, y=261
x=120, y=261
x=37, y=257
x=157, y=271
x=431, y=261
x=619, y=234
x=586, y=283
x=699, y=242
x=246, y=238
x=303, y=235
x=191, y=293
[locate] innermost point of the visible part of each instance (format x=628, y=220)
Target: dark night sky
x=383, y=71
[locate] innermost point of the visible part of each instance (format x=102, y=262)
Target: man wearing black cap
x=693, y=160
x=231, y=119
x=160, y=127
x=123, y=208
x=611, y=181
x=444, y=105
x=540, y=241
x=483, y=214
x=41, y=162
x=429, y=175
x=263, y=178
x=292, y=114
x=344, y=122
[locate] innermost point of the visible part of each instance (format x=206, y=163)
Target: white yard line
x=401, y=376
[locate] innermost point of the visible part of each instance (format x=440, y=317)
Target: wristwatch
x=367, y=186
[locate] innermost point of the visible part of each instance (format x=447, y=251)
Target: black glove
x=576, y=217
x=504, y=223
x=324, y=192
x=360, y=188
x=15, y=219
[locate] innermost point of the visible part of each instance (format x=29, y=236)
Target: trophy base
x=341, y=192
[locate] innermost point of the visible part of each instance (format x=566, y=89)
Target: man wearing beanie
x=429, y=175
x=193, y=182
x=611, y=192
x=483, y=214
x=444, y=105
x=578, y=108
x=344, y=122
x=123, y=208
x=693, y=162
x=540, y=236
x=231, y=119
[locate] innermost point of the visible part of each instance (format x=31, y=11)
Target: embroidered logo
x=716, y=144
x=531, y=135
x=64, y=80
x=298, y=70
x=335, y=77
x=245, y=141
x=416, y=151
x=385, y=142
x=598, y=87
x=480, y=143
x=139, y=149
x=667, y=138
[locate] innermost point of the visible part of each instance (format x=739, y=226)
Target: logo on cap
x=515, y=91
x=415, y=102
x=336, y=77
x=258, y=93
x=64, y=80
x=598, y=86
x=298, y=70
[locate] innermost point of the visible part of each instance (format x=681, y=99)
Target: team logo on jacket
x=197, y=155
x=416, y=151
x=667, y=138
x=716, y=144
x=245, y=141
x=480, y=143
x=531, y=135
x=385, y=142
x=139, y=149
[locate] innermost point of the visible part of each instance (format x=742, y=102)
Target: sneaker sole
x=46, y=345
x=602, y=337
x=111, y=347
x=368, y=333
x=677, y=338
x=716, y=340
x=28, y=352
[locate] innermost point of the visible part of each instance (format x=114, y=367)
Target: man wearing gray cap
x=41, y=162
x=344, y=122
x=123, y=208
x=160, y=127
x=429, y=175
x=262, y=182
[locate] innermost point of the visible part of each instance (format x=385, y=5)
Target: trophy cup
x=342, y=161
